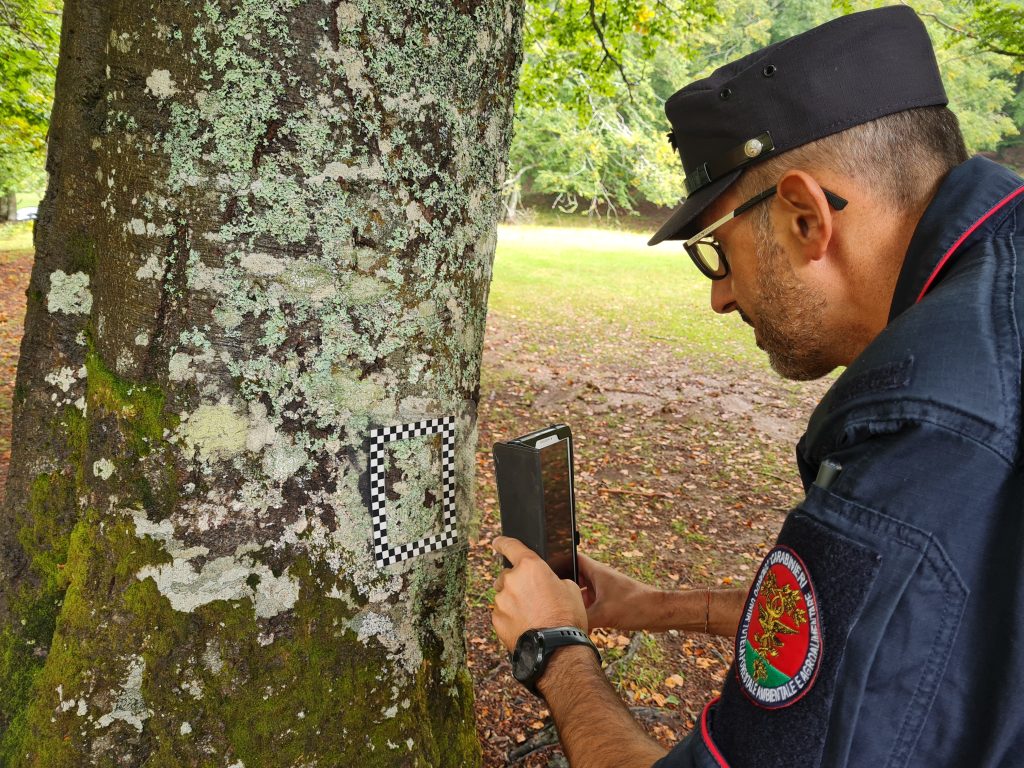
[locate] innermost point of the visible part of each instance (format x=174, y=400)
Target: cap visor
x=682, y=217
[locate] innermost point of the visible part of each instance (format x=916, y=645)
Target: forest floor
x=683, y=444
x=15, y=266
x=684, y=474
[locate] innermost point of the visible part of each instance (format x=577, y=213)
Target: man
x=833, y=206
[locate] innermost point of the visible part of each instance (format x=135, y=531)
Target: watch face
x=524, y=660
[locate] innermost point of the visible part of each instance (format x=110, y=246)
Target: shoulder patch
x=778, y=646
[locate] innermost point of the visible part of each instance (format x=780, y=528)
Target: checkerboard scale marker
x=383, y=552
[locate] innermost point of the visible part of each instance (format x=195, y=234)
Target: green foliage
x=576, y=50
x=607, y=160
x=29, y=39
x=590, y=121
x=999, y=27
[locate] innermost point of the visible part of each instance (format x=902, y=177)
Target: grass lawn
x=555, y=276
x=15, y=239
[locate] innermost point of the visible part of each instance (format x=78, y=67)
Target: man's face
x=788, y=316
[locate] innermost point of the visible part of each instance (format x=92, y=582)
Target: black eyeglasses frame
x=703, y=237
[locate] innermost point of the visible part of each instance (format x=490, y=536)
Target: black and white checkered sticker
x=383, y=551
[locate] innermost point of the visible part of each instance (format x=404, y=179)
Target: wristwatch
x=535, y=647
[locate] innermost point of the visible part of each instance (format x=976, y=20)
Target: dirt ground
x=684, y=473
x=14, y=273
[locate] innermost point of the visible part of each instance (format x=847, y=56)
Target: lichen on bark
x=269, y=228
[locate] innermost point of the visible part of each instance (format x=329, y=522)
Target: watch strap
x=558, y=637
x=550, y=640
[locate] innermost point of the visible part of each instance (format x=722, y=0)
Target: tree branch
x=608, y=54
x=971, y=35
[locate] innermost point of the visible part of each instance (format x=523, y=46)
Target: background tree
x=590, y=124
x=268, y=227
x=29, y=37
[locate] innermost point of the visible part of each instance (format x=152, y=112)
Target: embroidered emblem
x=778, y=646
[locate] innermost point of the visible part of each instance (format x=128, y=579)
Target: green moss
x=22, y=653
x=25, y=642
x=139, y=409
x=45, y=534
x=268, y=694
x=139, y=421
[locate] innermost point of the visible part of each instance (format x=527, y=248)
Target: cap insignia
x=753, y=148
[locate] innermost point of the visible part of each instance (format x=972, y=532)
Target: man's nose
x=722, y=300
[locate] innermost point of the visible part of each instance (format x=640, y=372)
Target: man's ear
x=806, y=218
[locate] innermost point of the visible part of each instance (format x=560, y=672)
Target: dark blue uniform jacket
x=914, y=555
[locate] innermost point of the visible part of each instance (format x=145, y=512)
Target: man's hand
x=531, y=596
x=612, y=598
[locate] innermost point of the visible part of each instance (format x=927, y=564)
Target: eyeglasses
x=707, y=253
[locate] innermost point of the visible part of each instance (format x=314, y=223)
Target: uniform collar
x=964, y=209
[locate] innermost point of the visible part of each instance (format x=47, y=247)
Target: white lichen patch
x=178, y=368
x=215, y=431
x=336, y=170
x=263, y=264
x=223, y=578
x=212, y=659
x=129, y=706
x=140, y=227
x=121, y=42
x=69, y=293
x=125, y=360
x=349, y=16
x=261, y=432
x=204, y=278
x=103, y=469
x=395, y=632
x=63, y=379
x=282, y=461
x=152, y=269
x=186, y=728
x=160, y=84
x=64, y=704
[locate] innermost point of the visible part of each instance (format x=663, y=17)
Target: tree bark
x=269, y=229
x=8, y=205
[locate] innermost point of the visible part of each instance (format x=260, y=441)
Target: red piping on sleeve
x=959, y=241
x=705, y=735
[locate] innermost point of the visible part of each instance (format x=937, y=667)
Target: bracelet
x=707, y=610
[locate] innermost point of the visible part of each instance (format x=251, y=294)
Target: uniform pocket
x=897, y=653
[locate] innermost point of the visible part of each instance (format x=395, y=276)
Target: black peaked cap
x=846, y=72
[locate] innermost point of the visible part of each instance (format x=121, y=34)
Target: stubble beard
x=789, y=325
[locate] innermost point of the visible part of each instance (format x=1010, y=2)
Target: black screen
x=558, y=524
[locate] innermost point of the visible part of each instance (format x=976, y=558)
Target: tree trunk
x=269, y=230
x=8, y=205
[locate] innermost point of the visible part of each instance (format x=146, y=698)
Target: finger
x=586, y=565
x=511, y=548
x=588, y=596
x=499, y=582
